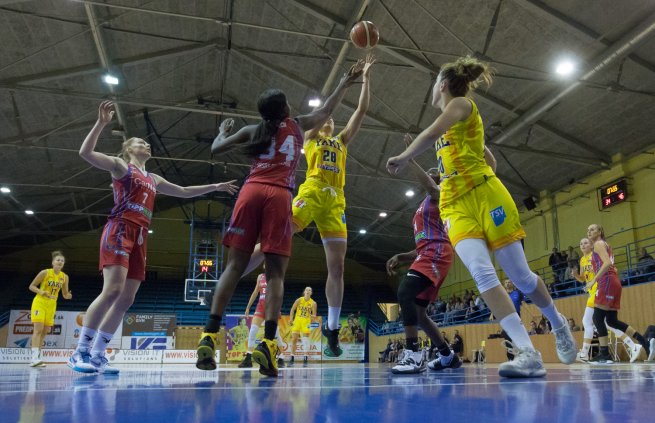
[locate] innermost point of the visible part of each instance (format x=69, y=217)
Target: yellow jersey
x=460, y=157
x=52, y=283
x=586, y=269
x=326, y=160
x=305, y=308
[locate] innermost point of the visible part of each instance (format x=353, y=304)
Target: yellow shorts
x=591, y=301
x=43, y=311
x=301, y=325
x=486, y=212
x=324, y=205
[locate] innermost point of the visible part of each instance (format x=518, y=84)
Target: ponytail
x=465, y=74
x=272, y=106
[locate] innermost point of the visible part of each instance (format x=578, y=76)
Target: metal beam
x=553, y=155
x=105, y=62
x=558, y=18
x=619, y=49
x=322, y=14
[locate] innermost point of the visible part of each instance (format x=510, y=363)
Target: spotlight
x=29, y=212
x=409, y=193
x=5, y=190
x=383, y=214
x=314, y=102
x=564, y=68
x=362, y=231
x=110, y=79
x=150, y=231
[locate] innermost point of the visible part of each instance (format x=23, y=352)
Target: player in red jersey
x=608, y=295
x=263, y=211
x=432, y=259
x=257, y=319
x=124, y=238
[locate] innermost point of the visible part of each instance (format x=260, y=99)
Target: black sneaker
x=206, y=351
x=264, y=355
x=601, y=359
x=247, y=362
x=280, y=363
x=305, y=362
x=292, y=361
x=437, y=365
x=332, y=335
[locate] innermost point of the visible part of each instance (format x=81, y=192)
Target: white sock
x=629, y=342
x=333, y=317
x=86, y=337
x=280, y=344
x=252, y=338
x=35, y=353
x=585, y=348
x=516, y=331
x=556, y=320
x=100, y=344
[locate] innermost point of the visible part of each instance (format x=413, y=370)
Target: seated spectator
x=534, y=330
x=544, y=325
x=645, y=267
x=573, y=326
x=458, y=344
x=384, y=355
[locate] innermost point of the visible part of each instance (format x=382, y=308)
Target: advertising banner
x=143, y=331
x=351, y=339
x=74, y=322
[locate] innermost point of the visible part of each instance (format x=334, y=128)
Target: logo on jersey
x=236, y=231
x=300, y=203
x=343, y=218
x=498, y=215
x=441, y=143
x=419, y=236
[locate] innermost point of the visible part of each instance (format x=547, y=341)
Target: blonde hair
x=602, y=231
x=464, y=74
x=124, y=154
x=57, y=253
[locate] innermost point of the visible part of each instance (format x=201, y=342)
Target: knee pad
x=475, y=256
x=512, y=259
x=599, y=322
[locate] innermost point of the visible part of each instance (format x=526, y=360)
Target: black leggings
x=412, y=285
x=612, y=319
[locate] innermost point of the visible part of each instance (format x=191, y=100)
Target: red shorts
x=261, y=308
x=433, y=262
x=262, y=212
x=124, y=243
x=608, y=292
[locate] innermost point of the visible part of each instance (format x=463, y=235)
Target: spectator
x=534, y=330
x=645, y=266
x=458, y=344
x=445, y=338
x=573, y=254
x=553, y=262
x=544, y=326
x=515, y=295
x=385, y=354
x=573, y=326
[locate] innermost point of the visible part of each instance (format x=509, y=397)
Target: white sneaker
x=80, y=361
x=37, y=362
x=634, y=352
x=651, y=354
x=102, y=365
x=410, y=363
x=526, y=363
x=566, y=348
x=583, y=357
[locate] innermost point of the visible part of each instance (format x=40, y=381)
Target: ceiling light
x=150, y=231
x=564, y=68
x=409, y=193
x=110, y=79
x=29, y=212
x=383, y=214
x=362, y=231
x=314, y=102
x=302, y=151
x=5, y=190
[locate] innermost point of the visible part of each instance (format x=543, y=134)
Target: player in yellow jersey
x=321, y=199
x=302, y=314
x=587, y=276
x=480, y=214
x=46, y=285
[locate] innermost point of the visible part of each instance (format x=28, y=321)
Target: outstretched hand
x=353, y=73
x=228, y=187
x=408, y=140
x=105, y=112
x=226, y=126
x=368, y=62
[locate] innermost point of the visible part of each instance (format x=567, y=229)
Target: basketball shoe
x=207, y=351
x=264, y=355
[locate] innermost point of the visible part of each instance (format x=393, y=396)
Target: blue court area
x=329, y=393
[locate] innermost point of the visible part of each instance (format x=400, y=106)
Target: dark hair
x=272, y=106
x=462, y=75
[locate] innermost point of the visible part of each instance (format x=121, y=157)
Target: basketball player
x=587, y=276
x=124, y=238
x=431, y=261
x=257, y=319
x=321, y=199
x=46, y=285
x=608, y=296
x=302, y=314
x=263, y=211
x=479, y=214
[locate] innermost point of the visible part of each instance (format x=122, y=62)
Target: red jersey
x=278, y=165
x=134, y=197
x=596, y=263
x=261, y=280
x=428, y=226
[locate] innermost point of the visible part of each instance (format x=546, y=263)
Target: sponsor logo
x=419, y=236
x=329, y=168
x=22, y=343
x=148, y=343
x=299, y=204
x=139, y=209
x=146, y=185
x=236, y=231
x=332, y=142
x=498, y=215
x=441, y=143
x=343, y=218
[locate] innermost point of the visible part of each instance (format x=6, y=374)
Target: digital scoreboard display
x=614, y=193
x=205, y=265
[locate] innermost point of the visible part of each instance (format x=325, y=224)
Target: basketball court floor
x=329, y=393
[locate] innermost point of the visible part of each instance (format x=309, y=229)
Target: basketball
x=364, y=35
